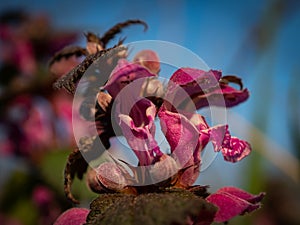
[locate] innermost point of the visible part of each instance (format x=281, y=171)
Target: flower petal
x=189, y=78
x=223, y=96
x=139, y=130
x=124, y=73
x=186, y=142
x=220, y=137
x=238, y=150
x=188, y=82
x=200, y=123
x=180, y=133
x=190, y=173
x=204, y=88
x=233, y=149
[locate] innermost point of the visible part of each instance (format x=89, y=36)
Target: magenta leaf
x=233, y=202
x=73, y=216
x=243, y=194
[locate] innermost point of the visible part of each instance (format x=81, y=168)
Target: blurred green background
x=256, y=40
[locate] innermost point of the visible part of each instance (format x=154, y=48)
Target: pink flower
x=188, y=134
x=186, y=131
x=138, y=128
x=73, y=216
x=232, y=202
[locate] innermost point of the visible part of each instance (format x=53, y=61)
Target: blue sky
x=220, y=32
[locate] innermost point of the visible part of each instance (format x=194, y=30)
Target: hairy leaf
x=172, y=207
x=70, y=80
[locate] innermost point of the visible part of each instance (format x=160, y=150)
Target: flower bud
x=148, y=59
x=112, y=176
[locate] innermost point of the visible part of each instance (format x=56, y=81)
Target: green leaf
x=52, y=169
x=16, y=199
x=165, y=208
x=19, y=186
x=25, y=211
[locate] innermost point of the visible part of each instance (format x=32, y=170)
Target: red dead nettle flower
x=186, y=132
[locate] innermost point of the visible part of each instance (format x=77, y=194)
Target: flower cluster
x=128, y=105
x=133, y=98
x=186, y=131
